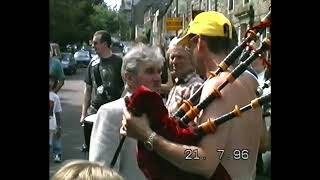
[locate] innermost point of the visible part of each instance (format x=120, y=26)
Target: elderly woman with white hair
x=141, y=66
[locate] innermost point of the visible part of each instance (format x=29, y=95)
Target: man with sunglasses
x=233, y=148
x=103, y=82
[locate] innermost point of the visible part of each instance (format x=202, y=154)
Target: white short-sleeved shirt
x=54, y=107
x=261, y=81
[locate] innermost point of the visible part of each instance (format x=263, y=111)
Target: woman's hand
x=134, y=126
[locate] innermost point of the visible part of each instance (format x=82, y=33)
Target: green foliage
x=124, y=27
x=97, y=2
x=105, y=18
x=75, y=21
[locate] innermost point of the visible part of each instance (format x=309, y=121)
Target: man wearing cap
x=234, y=146
x=187, y=81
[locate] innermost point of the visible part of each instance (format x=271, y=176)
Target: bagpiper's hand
x=123, y=129
x=135, y=127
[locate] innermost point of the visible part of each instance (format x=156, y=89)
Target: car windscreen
x=82, y=54
x=116, y=48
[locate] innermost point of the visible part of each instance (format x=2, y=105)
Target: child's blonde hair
x=85, y=170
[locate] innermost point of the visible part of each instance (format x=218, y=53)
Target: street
x=72, y=134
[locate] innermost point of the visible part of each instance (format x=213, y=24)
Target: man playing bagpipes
x=233, y=148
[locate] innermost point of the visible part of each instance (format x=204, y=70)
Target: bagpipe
x=176, y=128
x=154, y=166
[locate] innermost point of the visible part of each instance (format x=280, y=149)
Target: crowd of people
x=191, y=58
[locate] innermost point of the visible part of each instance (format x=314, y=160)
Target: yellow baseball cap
x=210, y=23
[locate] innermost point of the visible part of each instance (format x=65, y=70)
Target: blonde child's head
x=85, y=170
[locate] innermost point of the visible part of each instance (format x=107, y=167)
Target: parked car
x=82, y=57
x=117, y=49
x=68, y=63
x=126, y=47
x=92, y=52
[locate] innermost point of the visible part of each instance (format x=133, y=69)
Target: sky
x=112, y=3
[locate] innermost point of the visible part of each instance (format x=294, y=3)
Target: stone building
x=242, y=13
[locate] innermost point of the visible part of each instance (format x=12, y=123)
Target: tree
x=124, y=27
x=68, y=20
x=105, y=18
x=97, y=2
x=74, y=21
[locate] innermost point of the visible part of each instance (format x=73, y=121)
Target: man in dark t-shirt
x=111, y=84
x=103, y=79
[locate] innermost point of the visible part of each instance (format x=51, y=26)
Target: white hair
x=173, y=43
x=140, y=53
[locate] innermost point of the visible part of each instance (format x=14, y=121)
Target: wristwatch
x=149, y=143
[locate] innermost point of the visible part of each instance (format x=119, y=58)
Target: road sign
x=173, y=23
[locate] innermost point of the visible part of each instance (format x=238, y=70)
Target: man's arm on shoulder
x=105, y=136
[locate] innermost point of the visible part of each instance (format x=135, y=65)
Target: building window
x=231, y=5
